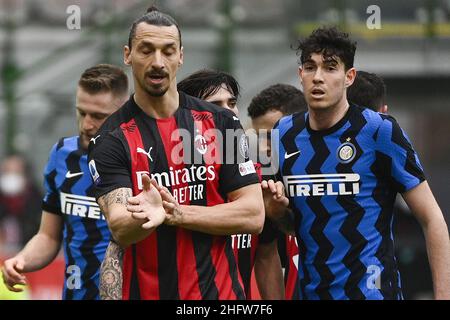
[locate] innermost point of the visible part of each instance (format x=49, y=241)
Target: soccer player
x=174, y=227
x=342, y=166
x=70, y=214
x=251, y=250
x=368, y=90
x=265, y=109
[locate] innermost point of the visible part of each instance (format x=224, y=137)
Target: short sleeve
x=108, y=165
x=51, y=202
x=237, y=170
x=405, y=169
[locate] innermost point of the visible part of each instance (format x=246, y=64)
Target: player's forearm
x=241, y=216
x=269, y=275
x=39, y=252
x=438, y=248
x=125, y=229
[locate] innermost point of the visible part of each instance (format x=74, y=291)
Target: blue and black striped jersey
x=342, y=183
x=69, y=193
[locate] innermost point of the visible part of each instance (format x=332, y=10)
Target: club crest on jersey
x=94, y=173
x=200, y=144
x=346, y=152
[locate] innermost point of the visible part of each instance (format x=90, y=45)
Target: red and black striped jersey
x=291, y=281
x=246, y=245
x=186, y=154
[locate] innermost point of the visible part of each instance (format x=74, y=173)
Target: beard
x=155, y=89
x=155, y=92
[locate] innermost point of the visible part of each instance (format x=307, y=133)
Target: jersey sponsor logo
x=246, y=168
x=140, y=150
x=94, y=173
x=81, y=206
x=73, y=175
x=176, y=179
x=288, y=155
x=322, y=184
x=346, y=152
x=241, y=241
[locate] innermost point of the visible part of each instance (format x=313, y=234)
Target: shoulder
x=198, y=105
x=287, y=122
x=65, y=145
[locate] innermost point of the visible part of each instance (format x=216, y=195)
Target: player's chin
x=84, y=141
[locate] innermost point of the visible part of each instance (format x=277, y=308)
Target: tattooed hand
x=111, y=273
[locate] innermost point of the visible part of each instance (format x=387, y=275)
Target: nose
x=318, y=76
x=87, y=123
x=158, y=60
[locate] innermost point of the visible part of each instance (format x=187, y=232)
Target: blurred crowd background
x=41, y=61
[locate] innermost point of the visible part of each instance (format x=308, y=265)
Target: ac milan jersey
x=245, y=246
x=180, y=153
x=342, y=183
x=291, y=282
x=69, y=193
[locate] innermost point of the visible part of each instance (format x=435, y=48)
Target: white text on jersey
x=82, y=206
x=322, y=184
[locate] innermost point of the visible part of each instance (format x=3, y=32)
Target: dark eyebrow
x=331, y=61
x=93, y=113
x=146, y=43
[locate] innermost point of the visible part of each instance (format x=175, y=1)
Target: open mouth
x=156, y=78
x=316, y=93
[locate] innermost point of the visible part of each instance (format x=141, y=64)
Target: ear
x=126, y=55
x=300, y=73
x=383, y=109
x=180, y=62
x=350, y=76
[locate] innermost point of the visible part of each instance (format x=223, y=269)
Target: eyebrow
x=93, y=113
x=147, y=43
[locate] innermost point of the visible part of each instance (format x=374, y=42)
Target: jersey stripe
x=139, y=162
x=185, y=259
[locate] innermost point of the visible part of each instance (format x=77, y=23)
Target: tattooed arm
x=125, y=228
x=111, y=273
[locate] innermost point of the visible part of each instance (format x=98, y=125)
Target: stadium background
x=41, y=60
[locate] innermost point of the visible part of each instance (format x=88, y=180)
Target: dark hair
x=329, y=42
x=282, y=97
x=104, y=78
x=368, y=90
x=206, y=82
x=156, y=18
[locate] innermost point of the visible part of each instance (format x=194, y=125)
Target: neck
x=326, y=118
x=158, y=107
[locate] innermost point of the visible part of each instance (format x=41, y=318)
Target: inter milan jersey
x=342, y=183
x=69, y=193
x=180, y=153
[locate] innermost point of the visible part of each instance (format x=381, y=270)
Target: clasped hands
x=155, y=205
